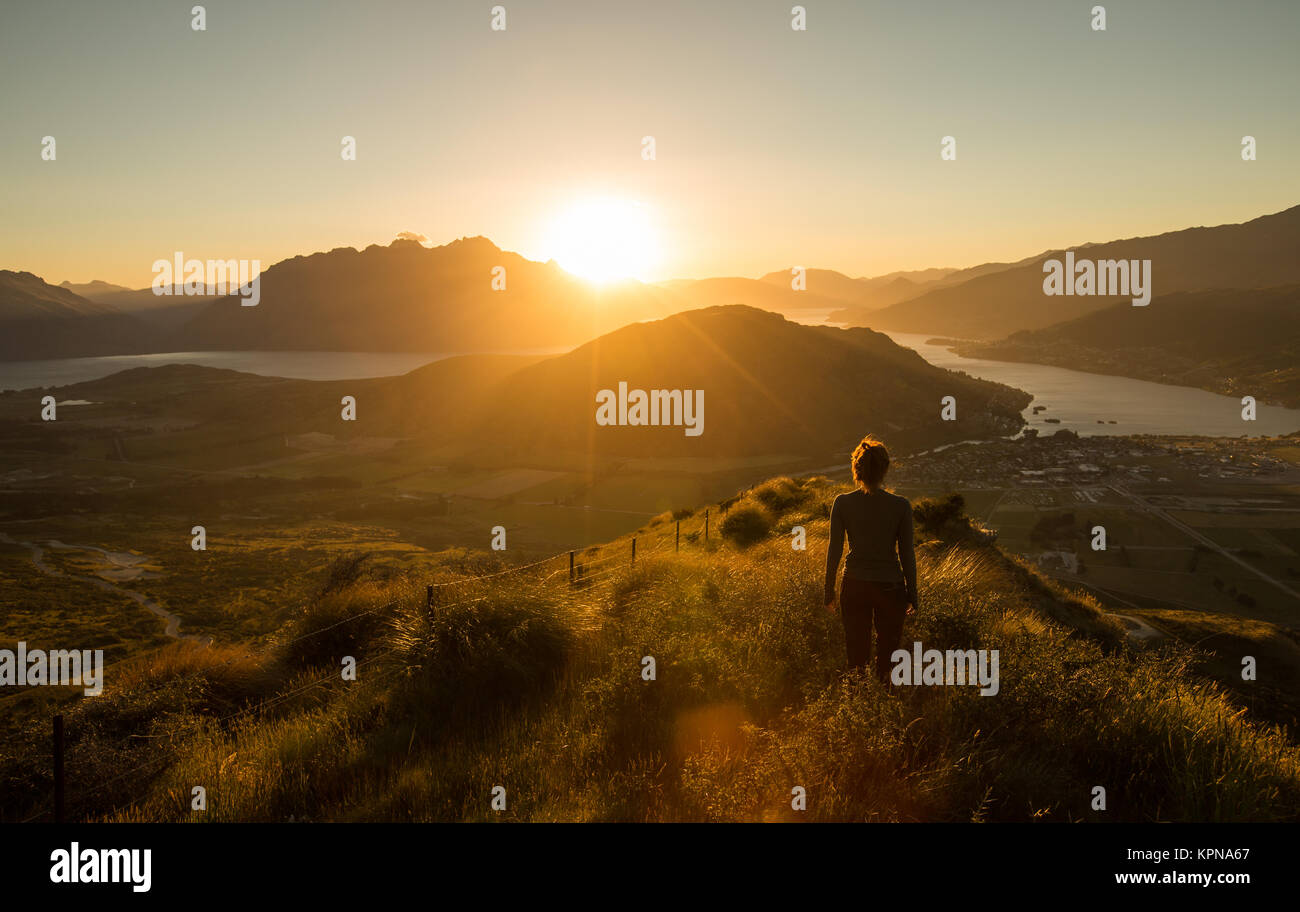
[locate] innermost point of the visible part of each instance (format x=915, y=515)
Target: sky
x=774, y=147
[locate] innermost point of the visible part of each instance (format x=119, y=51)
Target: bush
x=347, y=615
x=489, y=652
x=937, y=516
x=780, y=494
x=343, y=572
x=747, y=525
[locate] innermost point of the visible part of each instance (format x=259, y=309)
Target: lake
x=298, y=365
x=1076, y=398
x=1080, y=399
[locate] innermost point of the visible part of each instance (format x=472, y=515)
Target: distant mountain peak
x=411, y=237
x=477, y=242
x=93, y=287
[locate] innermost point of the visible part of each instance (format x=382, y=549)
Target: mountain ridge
x=1257, y=253
x=1230, y=341
x=39, y=320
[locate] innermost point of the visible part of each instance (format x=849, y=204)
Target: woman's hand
x=911, y=609
x=830, y=605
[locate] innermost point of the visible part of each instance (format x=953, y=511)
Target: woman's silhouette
x=879, y=584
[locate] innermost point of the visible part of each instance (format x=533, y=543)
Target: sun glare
x=603, y=240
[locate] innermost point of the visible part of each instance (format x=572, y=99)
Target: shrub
x=339, y=622
x=936, y=517
x=343, y=572
x=944, y=519
x=489, y=652
x=747, y=525
x=780, y=494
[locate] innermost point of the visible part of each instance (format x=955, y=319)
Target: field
x=1201, y=539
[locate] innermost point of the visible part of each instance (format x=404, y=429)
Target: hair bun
x=869, y=462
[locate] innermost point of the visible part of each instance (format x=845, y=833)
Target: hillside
x=514, y=677
x=1254, y=254
x=1232, y=342
x=407, y=297
x=39, y=320
x=770, y=386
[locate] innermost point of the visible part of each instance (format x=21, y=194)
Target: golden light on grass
x=603, y=239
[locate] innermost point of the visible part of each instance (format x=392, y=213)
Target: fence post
x=58, y=769
x=570, y=568
x=706, y=527
x=428, y=601
x=677, y=542
x=634, y=549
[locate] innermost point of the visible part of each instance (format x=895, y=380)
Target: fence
x=580, y=579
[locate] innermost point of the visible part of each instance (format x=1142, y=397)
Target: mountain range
x=996, y=302
x=409, y=297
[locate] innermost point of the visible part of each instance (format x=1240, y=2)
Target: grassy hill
x=1235, y=342
x=771, y=386
x=524, y=681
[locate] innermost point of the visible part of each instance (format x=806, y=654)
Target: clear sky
x=774, y=147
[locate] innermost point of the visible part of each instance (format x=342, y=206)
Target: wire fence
x=596, y=567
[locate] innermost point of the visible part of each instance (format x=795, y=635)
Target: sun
x=604, y=240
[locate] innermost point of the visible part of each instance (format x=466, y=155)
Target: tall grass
x=522, y=682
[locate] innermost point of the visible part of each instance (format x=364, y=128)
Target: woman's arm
x=907, y=553
x=834, y=549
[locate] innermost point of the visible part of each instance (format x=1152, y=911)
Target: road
x=1198, y=537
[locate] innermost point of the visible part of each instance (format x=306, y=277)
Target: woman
x=880, y=572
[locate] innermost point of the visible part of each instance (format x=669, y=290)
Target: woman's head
x=870, y=462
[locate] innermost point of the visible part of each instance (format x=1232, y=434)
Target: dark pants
x=862, y=603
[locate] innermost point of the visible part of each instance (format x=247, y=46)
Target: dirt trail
x=1139, y=629
x=121, y=565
